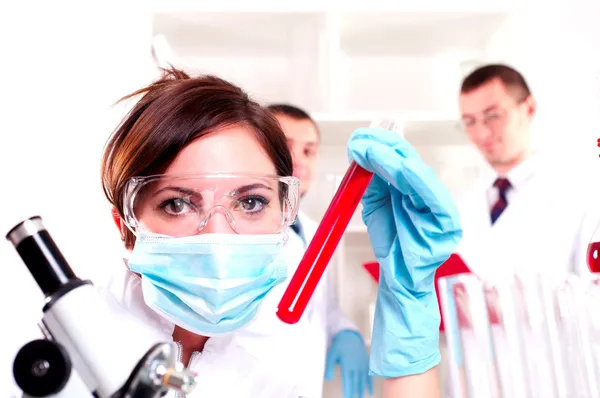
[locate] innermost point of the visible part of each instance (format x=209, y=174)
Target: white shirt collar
x=518, y=175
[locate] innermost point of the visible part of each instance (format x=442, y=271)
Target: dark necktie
x=297, y=227
x=503, y=185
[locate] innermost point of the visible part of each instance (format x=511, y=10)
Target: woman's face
x=178, y=206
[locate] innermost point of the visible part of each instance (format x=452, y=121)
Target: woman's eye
x=252, y=204
x=175, y=207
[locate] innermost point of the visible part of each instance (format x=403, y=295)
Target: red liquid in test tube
x=328, y=234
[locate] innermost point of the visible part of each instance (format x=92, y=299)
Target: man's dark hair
x=293, y=112
x=513, y=80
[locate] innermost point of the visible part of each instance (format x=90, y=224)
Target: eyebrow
x=246, y=188
x=489, y=108
x=184, y=191
x=236, y=191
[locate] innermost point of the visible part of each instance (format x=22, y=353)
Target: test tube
x=591, y=298
x=574, y=339
x=474, y=328
x=457, y=387
x=507, y=349
x=472, y=366
x=328, y=235
x=535, y=336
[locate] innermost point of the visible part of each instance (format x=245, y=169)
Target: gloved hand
x=413, y=226
x=349, y=351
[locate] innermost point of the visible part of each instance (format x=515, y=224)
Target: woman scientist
x=200, y=178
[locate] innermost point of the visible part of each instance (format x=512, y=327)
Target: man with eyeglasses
x=521, y=213
x=525, y=213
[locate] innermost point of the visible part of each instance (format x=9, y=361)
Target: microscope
x=81, y=355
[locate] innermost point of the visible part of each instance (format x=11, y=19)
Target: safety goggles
x=182, y=205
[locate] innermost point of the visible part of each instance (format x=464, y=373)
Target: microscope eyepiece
x=25, y=229
x=40, y=254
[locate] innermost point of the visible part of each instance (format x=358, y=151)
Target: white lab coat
x=289, y=360
x=323, y=317
x=548, y=224
x=246, y=363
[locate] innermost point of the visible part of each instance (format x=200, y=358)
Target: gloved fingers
x=421, y=199
x=431, y=193
x=377, y=216
x=391, y=157
x=416, y=181
x=363, y=142
x=378, y=189
x=330, y=362
x=429, y=240
x=348, y=383
x=360, y=385
x=376, y=195
x=369, y=383
x=364, y=137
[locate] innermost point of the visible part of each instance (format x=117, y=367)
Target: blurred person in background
x=525, y=213
x=508, y=211
x=334, y=339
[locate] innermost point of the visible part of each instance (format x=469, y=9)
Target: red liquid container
x=322, y=246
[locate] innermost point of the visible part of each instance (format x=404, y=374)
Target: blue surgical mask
x=208, y=284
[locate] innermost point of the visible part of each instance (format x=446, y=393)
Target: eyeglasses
x=182, y=205
x=493, y=119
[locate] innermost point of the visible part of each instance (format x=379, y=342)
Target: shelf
x=259, y=33
x=236, y=33
x=342, y=62
x=421, y=129
x=420, y=33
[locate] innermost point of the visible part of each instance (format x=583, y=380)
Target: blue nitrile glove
x=349, y=351
x=414, y=227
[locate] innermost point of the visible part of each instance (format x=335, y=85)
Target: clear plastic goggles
x=182, y=205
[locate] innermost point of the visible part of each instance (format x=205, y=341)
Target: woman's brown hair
x=174, y=111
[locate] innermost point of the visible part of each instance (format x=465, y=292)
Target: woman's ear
x=117, y=220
